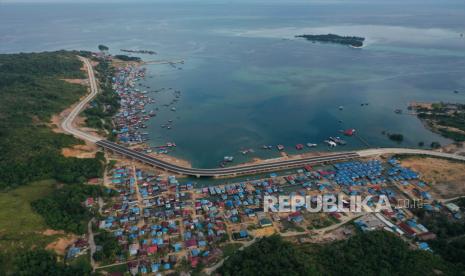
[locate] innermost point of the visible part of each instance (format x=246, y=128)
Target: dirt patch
x=76, y=81
x=446, y=178
x=421, y=105
x=60, y=245
x=51, y=232
x=80, y=151
x=264, y=232
x=120, y=63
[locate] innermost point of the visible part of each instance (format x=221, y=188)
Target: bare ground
x=60, y=245
x=446, y=178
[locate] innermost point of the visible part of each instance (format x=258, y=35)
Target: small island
x=353, y=41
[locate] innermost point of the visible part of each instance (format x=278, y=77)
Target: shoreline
x=144, y=145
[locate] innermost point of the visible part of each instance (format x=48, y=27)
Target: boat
x=299, y=147
x=311, y=145
x=330, y=143
x=246, y=151
x=398, y=111
x=228, y=159
x=349, y=132
x=173, y=108
x=338, y=140
x=268, y=147
x=341, y=107
x=280, y=147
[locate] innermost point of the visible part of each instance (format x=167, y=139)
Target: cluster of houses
x=161, y=221
x=411, y=193
x=132, y=117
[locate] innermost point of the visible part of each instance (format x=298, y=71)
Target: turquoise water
x=247, y=82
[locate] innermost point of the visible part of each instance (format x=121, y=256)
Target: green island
x=447, y=119
x=353, y=41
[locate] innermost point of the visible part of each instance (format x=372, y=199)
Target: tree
x=103, y=48
x=42, y=262
x=396, y=137
x=269, y=256
x=435, y=145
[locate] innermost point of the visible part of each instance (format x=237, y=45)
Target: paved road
x=67, y=126
x=371, y=152
x=229, y=171
x=67, y=123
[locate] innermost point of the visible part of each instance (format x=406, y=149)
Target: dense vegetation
x=32, y=89
x=102, y=47
x=268, y=256
x=445, y=119
x=354, y=41
x=378, y=253
x=64, y=209
x=110, y=247
x=127, y=58
x=105, y=105
x=373, y=253
x=450, y=241
x=42, y=262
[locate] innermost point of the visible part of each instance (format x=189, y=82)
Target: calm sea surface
x=246, y=81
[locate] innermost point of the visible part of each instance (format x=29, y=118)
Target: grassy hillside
x=20, y=227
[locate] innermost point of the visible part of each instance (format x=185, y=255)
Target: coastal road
x=68, y=127
x=229, y=171
x=381, y=151
x=67, y=124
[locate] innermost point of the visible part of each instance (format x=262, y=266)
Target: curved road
x=67, y=126
x=67, y=123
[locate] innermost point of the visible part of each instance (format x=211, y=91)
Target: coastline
x=145, y=146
